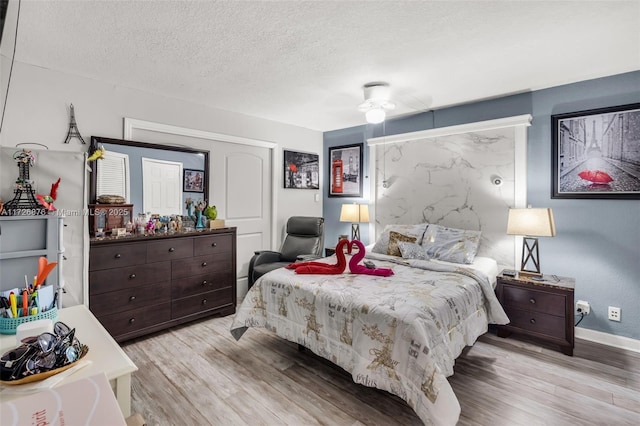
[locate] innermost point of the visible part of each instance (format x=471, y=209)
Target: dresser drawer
x=131, y=276
x=537, y=322
x=169, y=249
x=213, y=244
x=202, y=302
x=136, y=319
x=534, y=300
x=130, y=298
x=117, y=256
x=201, y=265
x=196, y=284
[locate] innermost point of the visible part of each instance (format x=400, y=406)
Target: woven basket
x=9, y=325
x=110, y=199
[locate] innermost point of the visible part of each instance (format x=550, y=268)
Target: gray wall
x=598, y=241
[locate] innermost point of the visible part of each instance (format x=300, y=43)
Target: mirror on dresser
x=142, y=282
x=145, y=178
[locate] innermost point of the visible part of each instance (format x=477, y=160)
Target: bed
x=400, y=333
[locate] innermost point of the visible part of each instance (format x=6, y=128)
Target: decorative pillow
x=382, y=244
x=394, y=239
x=412, y=251
x=451, y=244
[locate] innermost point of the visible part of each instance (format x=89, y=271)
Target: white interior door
x=241, y=190
x=161, y=186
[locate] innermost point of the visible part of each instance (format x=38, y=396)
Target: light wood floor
x=197, y=374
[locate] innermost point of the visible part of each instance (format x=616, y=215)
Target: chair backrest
x=305, y=235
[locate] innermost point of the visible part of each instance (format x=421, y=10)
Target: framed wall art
x=596, y=153
x=193, y=180
x=301, y=170
x=345, y=171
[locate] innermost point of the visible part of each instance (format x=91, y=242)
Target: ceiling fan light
x=375, y=115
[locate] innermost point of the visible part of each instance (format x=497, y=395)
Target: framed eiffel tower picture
x=596, y=153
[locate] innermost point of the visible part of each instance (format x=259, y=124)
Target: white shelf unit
x=23, y=240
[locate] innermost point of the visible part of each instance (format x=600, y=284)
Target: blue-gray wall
x=598, y=241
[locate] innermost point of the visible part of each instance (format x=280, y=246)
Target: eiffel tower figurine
x=24, y=201
x=73, y=129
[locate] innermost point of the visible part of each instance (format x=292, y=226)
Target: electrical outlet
x=583, y=307
x=614, y=313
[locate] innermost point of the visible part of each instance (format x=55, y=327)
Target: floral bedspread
x=401, y=333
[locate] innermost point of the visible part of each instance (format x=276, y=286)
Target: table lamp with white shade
x=531, y=223
x=356, y=214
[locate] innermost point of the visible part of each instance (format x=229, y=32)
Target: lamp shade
x=354, y=213
x=531, y=222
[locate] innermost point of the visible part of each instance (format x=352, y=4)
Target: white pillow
x=416, y=231
x=451, y=244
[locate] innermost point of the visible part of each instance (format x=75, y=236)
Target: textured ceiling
x=304, y=63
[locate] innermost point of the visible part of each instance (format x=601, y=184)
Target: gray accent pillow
x=442, y=243
x=382, y=244
x=451, y=244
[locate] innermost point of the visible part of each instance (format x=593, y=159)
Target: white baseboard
x=608, y=339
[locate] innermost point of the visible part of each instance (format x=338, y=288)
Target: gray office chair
x=305, y=238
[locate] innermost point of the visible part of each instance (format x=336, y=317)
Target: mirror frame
x=96, y=141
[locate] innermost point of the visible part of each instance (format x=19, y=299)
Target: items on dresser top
x=141, y=285
x=538, y=308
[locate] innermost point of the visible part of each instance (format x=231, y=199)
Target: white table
x=104, y=353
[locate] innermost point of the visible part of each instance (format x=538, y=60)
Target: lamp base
x=355, y=231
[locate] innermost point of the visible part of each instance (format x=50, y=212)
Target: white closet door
x=241, y=189
x=161, y=186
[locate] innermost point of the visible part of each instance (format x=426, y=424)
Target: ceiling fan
x=376, y=102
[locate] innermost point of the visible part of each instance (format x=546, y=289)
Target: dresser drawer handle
x=132, y=276
x=204, y=301
x=118, y=256
x=204, y=264
x=214, y=244
x=532, y=320
x=171, y=250
x=132, y=320
x=204, y=282
x=532, y=301
x=132, y=298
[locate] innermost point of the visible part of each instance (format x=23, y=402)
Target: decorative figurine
x=47, y=200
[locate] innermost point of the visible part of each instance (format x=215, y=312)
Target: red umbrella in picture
x=595, y=176
x=293, y=168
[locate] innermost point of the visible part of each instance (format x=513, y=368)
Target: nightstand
x=541, y=309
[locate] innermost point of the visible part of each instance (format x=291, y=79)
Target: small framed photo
x=193, y=180
x=596, y=153
x=345, y=171
x=301, y=170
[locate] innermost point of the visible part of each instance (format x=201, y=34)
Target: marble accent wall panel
x=448, y=181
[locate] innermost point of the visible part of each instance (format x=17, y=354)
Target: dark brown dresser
x=138, y=285
x=542, y=309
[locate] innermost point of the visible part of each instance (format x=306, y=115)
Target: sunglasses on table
x=41, y=353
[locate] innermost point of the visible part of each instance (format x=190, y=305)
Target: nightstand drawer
x=534, y=300
x=548, y=325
